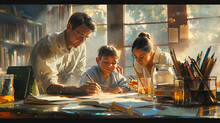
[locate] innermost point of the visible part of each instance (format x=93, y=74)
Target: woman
x=146, y=57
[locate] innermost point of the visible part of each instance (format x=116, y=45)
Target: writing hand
x=90, y=88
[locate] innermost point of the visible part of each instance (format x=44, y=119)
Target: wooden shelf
x=15, y=44
x=6, y=17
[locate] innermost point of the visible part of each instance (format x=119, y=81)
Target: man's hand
x=90, y=88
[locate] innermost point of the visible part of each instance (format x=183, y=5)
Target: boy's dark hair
x=142, y=42
x=108, y=51
x=80, y=18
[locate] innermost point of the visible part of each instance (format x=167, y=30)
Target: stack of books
x=19, y=33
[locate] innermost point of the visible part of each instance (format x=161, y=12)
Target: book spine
x=128, y=110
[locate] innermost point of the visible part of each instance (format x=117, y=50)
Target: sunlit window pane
x=203, y=10
x=201, y=37
x=97, y=12
x=128, y=56
x=145, y=13
x=158, y=32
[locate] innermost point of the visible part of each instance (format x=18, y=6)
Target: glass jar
x=163, y=80
x=6, y=88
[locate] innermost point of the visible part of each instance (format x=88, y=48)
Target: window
x=99, y=37
x=200, y=36
x=151, y=19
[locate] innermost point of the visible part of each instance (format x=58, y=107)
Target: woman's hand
x=133, y=83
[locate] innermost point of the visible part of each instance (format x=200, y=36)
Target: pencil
x=132, y=77
x=99, y=84
x=208, y=66
x=89, y=77
x=205, y=58
x=190, y=72
x=175, y=62
x=139, y=78
x=201, y=78
x=210, y=69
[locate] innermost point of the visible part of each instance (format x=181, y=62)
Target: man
x=58, y=59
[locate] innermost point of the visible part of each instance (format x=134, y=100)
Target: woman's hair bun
x=143, y=34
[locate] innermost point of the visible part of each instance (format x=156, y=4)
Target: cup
x=145, y=86
x=6, y=88
x=197, y=91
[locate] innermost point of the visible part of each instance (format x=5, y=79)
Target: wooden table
x=19, y=109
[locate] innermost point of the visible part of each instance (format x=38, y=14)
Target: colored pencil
x=139, y=78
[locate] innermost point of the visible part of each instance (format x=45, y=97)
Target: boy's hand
x=90, y=88
x=119, y=69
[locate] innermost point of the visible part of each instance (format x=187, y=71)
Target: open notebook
x=122, y=104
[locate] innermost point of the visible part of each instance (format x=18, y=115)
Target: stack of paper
x=48, y=100
x=83, y=108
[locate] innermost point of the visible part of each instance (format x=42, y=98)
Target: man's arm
x=87, y=88
x=63, y=89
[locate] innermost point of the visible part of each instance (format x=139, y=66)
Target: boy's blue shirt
x=115, y=78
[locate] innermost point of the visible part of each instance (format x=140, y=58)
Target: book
x=19, y=33
x=107, y=103
x=183, y=112
x=106, y=100
x=73, y=106
x=128, y=105
x=108, y=96
x=48, y=99
x=146, y=111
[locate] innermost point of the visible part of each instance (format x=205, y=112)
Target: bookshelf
x=17, y=38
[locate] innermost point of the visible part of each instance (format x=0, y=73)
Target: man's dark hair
x=80, y=18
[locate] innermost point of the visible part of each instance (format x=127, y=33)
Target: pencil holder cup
x=145, y=86
x=195, y=91
x=6, y=88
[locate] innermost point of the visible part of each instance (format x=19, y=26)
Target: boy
x=105, y=72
